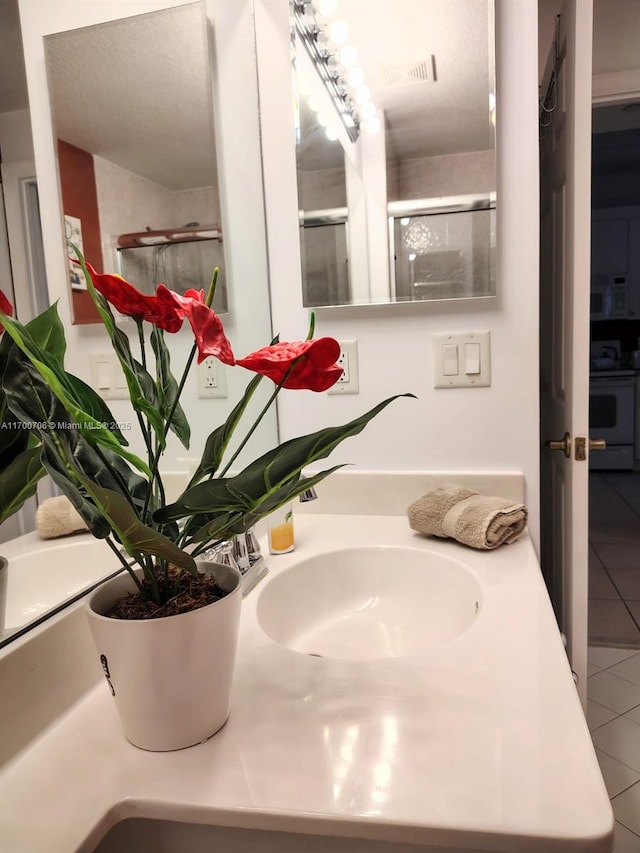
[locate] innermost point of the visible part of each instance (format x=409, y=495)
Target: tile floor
x=614, y=558
x=613, y=715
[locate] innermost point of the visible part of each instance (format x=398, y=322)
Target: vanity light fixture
x=316, y=42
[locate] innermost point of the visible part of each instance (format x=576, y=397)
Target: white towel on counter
x=57, y=517
x=453, y=512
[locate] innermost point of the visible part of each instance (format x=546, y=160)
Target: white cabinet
x=637, y=430
x=633, y=277
x=609, y=246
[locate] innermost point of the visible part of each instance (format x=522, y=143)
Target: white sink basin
x=370, y=603
x=45, y=577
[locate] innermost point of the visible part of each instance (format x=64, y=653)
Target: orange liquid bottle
x=280, y=527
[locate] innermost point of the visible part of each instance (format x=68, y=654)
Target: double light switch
x=461, y=359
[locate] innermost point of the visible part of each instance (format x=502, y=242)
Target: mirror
x=136, y=150
x=406, y=210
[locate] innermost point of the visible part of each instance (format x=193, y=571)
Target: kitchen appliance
x=612, y=417
x=610, y=298
x=605, y=355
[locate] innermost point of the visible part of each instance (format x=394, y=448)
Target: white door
x=565, y=201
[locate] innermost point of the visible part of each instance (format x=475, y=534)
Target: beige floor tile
x=617, y=776
x=626, y=808
x=626, y=841
x=600, y=585
x=605, y=656
x=621, y=739
x=634, y=714
x=617, y=555
x=598, y=715
x=617, y=531
x=626, y=484
x=610, y=623
x=629, y=669
x=634, y=607
x=613, y=692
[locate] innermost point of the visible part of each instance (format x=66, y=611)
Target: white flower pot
x=170, y=677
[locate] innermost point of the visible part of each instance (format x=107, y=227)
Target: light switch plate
x=470, y=374
x=107, y=377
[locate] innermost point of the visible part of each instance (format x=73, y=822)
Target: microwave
x=609, y=299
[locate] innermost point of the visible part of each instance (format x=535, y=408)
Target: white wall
x=238, y=153
x=480, y=429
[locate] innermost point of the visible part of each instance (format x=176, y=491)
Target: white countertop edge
x=103, y=754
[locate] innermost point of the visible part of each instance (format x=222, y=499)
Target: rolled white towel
x=453, y=512
x=57, y=517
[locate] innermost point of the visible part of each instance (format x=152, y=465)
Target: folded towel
x=57, y=517
x=451, y=511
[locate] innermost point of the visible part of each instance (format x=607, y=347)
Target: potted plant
x=168, y=654
x=20, y=465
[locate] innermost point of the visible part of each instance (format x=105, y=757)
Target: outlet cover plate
x=348, y=361
x=212, y=379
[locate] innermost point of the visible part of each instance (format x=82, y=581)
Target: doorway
x=614, y=487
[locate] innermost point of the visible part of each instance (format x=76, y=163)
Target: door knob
x=564, y=445
x=597, y=444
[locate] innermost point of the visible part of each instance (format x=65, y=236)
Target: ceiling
x=112, y=96
x=13, y=83
x=446, y=113
x=386, y=33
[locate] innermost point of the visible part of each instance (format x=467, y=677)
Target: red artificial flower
x=207, y=327
x=161, y=309
x=6, y=307
x=310, y=365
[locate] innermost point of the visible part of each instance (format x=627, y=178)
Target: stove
x=611, y=417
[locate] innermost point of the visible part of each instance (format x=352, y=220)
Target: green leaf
x=48, y=333
x=70, y=391
x=168, y=390
x=218, y=440
x=272, y=479
x=135, y=536
x=59, y=473
x=222, y=526
x=19, y=480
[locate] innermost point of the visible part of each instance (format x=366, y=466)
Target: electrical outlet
x=212, y=380
x=348, y=361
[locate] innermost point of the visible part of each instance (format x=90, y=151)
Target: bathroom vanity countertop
x=478, y=745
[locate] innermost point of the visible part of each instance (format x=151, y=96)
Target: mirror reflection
x=405, y=211
x=136, y=150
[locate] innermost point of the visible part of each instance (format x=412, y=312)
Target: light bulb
x=355, y=77
x=348, y=55
x=327, y=8
x=323, y=119
x=363, y=94
x=339, y=31
x=314, y=103
x=368, y=111
x=373, y=126
x=331, y=133
x=412, y=257
x=405, y=220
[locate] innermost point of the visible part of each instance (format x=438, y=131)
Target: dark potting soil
x=193, y=592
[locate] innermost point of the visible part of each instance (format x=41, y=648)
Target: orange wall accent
x=80, y=199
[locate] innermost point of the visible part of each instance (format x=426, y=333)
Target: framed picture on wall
x=73, y=228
